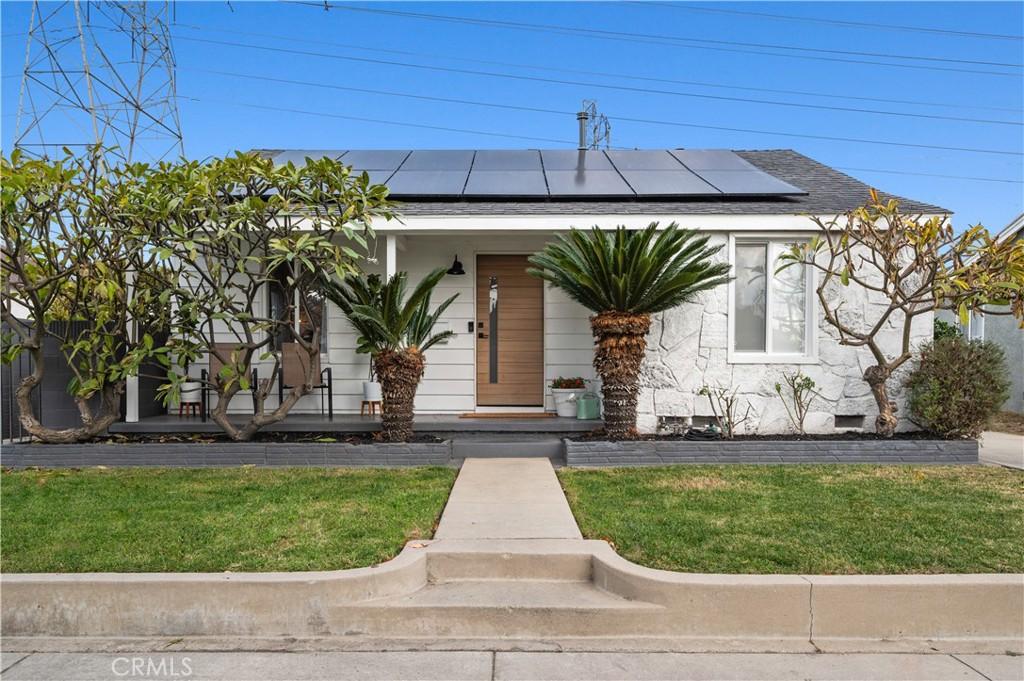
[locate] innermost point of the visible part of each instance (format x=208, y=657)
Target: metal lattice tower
x=99, y=73
x=599, y=130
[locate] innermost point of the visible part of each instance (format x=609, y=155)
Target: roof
x=827, y=191
x=1012, y=230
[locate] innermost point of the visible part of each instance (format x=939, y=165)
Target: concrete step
x=498, y=608
x=530, y=559
x=501, y=445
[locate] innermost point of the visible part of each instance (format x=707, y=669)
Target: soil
x=203, y=438
x=598, y=435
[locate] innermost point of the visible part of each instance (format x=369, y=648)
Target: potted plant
x=371, y=388
x=566, y=391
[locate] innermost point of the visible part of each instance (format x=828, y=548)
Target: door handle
x=482, y=335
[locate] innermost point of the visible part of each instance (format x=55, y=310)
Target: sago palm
x=624, y=277
x=395, y=329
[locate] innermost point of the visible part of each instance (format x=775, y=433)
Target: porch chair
x=215, y=367
x=291, y=373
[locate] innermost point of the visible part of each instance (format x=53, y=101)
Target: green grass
x=211, y=520
x=806, y=519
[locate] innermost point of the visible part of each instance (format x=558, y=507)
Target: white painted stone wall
x=687, y=348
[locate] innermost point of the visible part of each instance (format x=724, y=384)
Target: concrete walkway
x=488, y=666
x=507, y=499
x=1003, y=449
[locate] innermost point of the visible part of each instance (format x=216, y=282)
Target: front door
x=510, y=333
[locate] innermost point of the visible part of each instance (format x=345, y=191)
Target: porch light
x=456, y=267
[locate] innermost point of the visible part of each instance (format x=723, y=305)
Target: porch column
x=391, y=256
x=131, y=392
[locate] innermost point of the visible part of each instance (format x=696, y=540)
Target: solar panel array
x=555, y=174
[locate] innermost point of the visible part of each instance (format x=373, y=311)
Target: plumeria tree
x=78, y=276
x=911, y=265
x=624, y=277
x=241, y=232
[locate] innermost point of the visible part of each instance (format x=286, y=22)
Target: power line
x=606, y=86
x=604, y=74
x=947, y=177
x=839, y=22
x=628, y=119
x=676, y=41
x=488, y=133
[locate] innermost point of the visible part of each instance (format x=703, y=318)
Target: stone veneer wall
x=687, y=347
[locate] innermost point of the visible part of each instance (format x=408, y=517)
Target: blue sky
x=641, y=42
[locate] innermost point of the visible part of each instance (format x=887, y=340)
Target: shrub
x=574, y=383
x=957, y=386
x=945, y=330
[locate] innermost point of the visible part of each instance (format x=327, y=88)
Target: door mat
x=508, y=415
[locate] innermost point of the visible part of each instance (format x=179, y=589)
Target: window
x=976, y=326
x=769, y=310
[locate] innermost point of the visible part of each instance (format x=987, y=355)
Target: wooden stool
x=372, y=405
x=190, y=408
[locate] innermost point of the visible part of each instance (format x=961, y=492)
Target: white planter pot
x=371, y=391
x=191, y=391
x=565, y=400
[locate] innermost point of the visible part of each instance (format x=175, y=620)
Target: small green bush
x=957, y=386
x=945, y=330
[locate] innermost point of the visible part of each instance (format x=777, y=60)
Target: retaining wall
x=661, y=452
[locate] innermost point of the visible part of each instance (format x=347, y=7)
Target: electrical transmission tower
x=599, y=130
x=99, y=73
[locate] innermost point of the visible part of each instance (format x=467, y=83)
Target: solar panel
x=376, y=176
x=374, y=159
x=711, y=159
x=732, y=174
x=679, y=182
x=427, y=182
x=566, y=159
x=645, y=159
x=298, y=156
x=587, y=183
x=507, y=159
x=507, y=183
x=443, y=159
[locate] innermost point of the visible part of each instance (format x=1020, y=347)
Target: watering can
x=588, y=406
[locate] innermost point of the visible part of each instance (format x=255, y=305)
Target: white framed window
x=975, y=326
x=771, y=313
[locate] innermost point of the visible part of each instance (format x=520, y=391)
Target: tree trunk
x=92, y=425
x=399, y=374
x=621, y=343
x=876, y=377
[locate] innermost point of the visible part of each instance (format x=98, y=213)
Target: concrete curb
x=589, y=453
x=957, y=612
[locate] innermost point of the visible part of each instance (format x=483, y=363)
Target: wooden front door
x=510, y=333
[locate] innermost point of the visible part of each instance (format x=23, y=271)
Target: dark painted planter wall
x=656, y=453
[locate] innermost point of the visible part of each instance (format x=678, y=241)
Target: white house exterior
x=742, y=336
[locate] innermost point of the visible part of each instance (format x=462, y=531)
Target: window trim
x=810, y=356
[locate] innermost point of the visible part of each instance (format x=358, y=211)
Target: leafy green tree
x=396, y=330
x=624, y=277
x=912, y=266
x=239, y=228
x=77, y=273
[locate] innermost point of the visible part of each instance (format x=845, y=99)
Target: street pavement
x=1003, y=449
x=494, y=666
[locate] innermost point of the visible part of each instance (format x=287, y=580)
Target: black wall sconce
x=456, y=267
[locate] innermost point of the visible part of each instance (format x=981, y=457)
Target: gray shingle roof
x=828, y=191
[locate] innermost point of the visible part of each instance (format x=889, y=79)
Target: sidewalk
x=1003, y=449
x=507, y=499
x=486, y=666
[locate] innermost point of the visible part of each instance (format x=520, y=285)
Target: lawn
x=211, y=520
x=838, y=519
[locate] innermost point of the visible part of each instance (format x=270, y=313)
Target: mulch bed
x=600, y=435
x=201, y=438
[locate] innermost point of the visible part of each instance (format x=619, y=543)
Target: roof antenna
x=599, y=131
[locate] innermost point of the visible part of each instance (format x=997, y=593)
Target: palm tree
x=624, y=277
x=395, y=330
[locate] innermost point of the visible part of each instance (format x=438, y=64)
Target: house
x=483, y=212
x=1003, y=330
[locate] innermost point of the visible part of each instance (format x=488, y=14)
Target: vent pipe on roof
x=582, y=117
